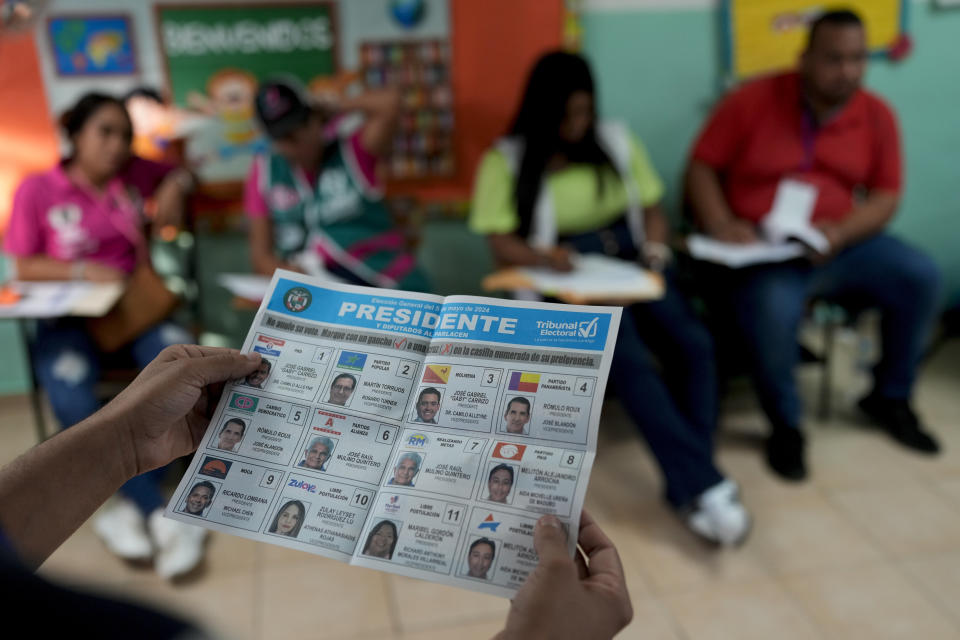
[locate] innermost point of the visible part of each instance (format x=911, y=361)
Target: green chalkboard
x=201, y=41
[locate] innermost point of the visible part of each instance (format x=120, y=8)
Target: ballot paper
x=742, y=255
x=599, y=277
x=406, y=432
x=786, y=232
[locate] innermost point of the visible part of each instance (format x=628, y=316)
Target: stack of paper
x=786, y=231
x=68, y=298
x=595, y=277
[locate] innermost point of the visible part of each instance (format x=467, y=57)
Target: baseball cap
x=281, y=107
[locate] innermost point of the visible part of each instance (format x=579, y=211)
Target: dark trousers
x=765, y=305
x=663, y=370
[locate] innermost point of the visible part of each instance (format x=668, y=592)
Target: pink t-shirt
x=255, y=202
x=55, y=217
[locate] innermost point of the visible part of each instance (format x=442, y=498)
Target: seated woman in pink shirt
x=82, y=220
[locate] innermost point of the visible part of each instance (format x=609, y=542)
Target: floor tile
x=18, y=433
x=673, y=560
x=807, y=533
x=759, y=609
x=321, y=598
x=652, y=620
x=876, y=603
x=903, y=521
x=467, y=631
x=421, y=605
x=949, y=489
x=938, y=576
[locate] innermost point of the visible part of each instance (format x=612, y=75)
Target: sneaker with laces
x=719, y=517
x=898, y=419
x=122, y=528
x=180, y=546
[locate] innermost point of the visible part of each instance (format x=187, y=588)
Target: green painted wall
x=658, y=71
x=13, y=371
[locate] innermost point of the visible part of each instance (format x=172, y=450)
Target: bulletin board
x=763, y=36
x=215, y=55
x=423, y=144
x=92, y=45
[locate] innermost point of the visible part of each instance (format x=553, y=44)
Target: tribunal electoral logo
x=297, y=299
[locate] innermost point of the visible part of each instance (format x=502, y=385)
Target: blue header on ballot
x=551, y=327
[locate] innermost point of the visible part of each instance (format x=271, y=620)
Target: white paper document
x=598, y=276
x=57, y=299
x=245, y=285
x=406, y=432
x=786, y=232
x=791, y=214
x=735, y=255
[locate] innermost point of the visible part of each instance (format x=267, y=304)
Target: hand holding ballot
x=565, y=598
x=405, y=432
x=161, y=416
x=583, y=598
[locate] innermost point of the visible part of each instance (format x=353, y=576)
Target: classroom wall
x=657, y=68
x=501, y=35
x=657, y=65
x=27, y=144
x=505, y=35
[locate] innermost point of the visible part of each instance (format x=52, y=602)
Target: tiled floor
x=868, y=548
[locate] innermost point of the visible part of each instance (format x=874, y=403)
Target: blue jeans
x=67, y=365
x=664, y=373
x=768, y=302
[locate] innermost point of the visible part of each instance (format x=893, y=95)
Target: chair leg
x=36, y=403
x=36, y=393
x=826, y=377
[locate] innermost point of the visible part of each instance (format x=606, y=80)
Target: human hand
x=165, y=411
x=96, y=272
x=834, y=235
x=836, y=239
x=559, y=259
x=734, y=230
x=563, y=598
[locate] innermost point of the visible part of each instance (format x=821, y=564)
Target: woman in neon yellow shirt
x=562, y=182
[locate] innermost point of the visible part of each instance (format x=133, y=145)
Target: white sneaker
x=718, y=515
x=179, y=545
x=121, y=526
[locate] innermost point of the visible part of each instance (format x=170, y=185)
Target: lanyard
x=808, y=137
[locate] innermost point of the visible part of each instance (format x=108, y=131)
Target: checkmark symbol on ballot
x=398, y=344
x=588, y=329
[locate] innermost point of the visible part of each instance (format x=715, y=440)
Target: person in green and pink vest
x=315, y=202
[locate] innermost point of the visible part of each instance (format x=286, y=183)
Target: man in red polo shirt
x=818, y=129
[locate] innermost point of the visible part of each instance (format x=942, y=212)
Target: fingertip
x=253, y=356
x=549, y=534
x=549, y=521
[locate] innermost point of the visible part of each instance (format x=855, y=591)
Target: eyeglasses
x=340, y=387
